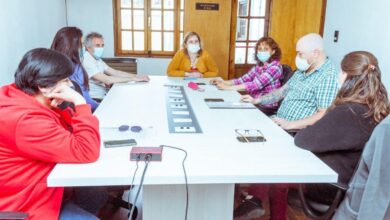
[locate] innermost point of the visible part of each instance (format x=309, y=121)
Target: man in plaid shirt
x=309, y=92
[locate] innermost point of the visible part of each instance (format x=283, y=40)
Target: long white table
x=216, y=160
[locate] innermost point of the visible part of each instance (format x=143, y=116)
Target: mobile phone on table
x=213, y=100
x=119, y=143
x=201, y=84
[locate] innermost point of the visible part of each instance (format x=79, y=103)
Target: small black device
x=213, y=100
x=119, y=143
x=201, y=84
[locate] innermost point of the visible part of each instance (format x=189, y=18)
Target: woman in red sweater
x=35, y=135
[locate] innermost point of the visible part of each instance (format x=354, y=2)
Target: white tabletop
x=214, y=156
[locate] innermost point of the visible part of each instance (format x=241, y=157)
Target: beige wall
x=292, y=19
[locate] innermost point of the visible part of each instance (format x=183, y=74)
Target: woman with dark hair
x=262, y=78
x=35, y=135
x=68, y=41
x=339, y=137
x=192, y=60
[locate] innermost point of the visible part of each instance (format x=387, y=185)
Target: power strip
x=146, y=153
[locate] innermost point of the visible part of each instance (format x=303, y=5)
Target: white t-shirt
x=97, y=89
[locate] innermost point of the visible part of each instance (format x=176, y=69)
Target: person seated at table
x=68, y=41
x=309, y=92
x=262, y=78
x=101, y=76
x=306, y=97
x=192, y=60
x=339, y=137
x=35, y=135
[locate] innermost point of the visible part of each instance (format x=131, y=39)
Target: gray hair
x=90, y=37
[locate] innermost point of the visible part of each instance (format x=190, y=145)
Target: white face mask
x=193, y=48
x=301, y=64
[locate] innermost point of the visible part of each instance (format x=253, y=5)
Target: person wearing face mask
x=339, y=137
x=101, y=76
x=192, y=60
x=68, y=41
x=309, y=92
x=262, y=78
x=35, y=135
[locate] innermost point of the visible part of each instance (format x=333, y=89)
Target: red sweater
x=33, y=138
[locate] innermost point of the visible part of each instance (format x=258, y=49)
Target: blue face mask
x=263, y=56
x=98, y=52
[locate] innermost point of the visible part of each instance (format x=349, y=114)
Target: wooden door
x=213, y=26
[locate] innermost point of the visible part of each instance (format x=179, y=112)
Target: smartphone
x=201, y=84
x=119, y=143
x=213, y=100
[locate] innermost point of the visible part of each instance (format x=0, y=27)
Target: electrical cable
x=131, y=187
x=185, y=175
x=147, y=160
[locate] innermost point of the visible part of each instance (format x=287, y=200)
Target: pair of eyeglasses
x=135, y=128
x=249, y=135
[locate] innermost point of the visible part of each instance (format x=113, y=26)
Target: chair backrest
x=287, y=73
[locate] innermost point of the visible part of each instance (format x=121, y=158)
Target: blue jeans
x=85, y=205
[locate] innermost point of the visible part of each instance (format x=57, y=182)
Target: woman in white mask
x=192, y=60
x=262, y=78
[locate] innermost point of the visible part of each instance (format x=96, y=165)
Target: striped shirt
x=261, y=80
x=307, y=94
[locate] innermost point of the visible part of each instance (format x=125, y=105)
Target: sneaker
x=249, y=208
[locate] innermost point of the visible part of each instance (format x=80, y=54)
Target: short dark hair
x=43, y=68
x=88, y=39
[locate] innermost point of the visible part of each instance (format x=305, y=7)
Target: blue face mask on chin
x=98, y=52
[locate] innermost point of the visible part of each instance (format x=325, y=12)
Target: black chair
x=314, y=209
x=13, y=215
x=287, y=73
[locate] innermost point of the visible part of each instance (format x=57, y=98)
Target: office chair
x=314, y=209
x=13, y=215
x=320, y=211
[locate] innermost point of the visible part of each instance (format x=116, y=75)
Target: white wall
x=92, y=15
x=363, y=25
x=25, y=25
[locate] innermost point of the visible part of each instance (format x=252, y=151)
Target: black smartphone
x=213, y=100
x=119, y=143
x=201, y=84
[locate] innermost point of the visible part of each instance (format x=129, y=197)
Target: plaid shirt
x=261, y=80
x=307, y=94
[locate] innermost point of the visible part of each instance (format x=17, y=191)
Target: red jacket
x=33, y=138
